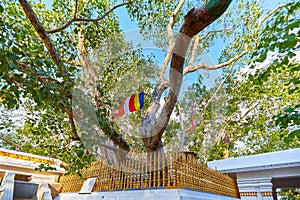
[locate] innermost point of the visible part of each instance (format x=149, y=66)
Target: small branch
x=208, y=67
x=75, y=9
x=215, y=93
x=218, y=31
x=194, y=51
x=77, y=63
x=75, y=19
x=171, y=41
x=246, y=113
x=10, y=142
x=269, y=14
x=114, y=149
x=198, y=38
x=191, y=68
x=221, y=134
x=235, y=121
x=182, y=128
x=41, y=32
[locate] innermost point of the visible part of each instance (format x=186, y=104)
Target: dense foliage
x=252, y=107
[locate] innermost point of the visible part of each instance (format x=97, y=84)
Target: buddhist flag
x=130, y=104
x=192, y=121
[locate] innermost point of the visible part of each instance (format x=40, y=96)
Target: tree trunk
x=197, y=19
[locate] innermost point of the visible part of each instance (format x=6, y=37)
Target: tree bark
x=105, y=125
x=152, y=127
x=41, y=32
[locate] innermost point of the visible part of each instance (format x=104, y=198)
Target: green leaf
x=295, y=133
x=289, y=110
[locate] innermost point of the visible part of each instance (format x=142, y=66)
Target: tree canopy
x=64, y=63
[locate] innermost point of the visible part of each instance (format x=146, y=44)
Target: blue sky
x=131, y=31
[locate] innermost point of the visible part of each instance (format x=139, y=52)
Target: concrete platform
x=147, y=194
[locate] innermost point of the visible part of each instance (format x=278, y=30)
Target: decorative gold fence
x=175, y=170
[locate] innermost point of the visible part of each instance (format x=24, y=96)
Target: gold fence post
x=121, y=185
x=136, y=173
x=164, y=168
x=168, y=163
x=159, y=169
x=142, y=172
x=127, y=174
x=101, y=177
x=150, y=170
x=155, y=168
x=174, y=170
x=118, y=185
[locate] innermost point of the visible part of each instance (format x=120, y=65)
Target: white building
x=258, y=176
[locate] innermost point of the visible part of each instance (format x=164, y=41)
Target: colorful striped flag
x=130, y=104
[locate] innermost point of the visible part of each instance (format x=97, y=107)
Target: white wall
x=147, y=194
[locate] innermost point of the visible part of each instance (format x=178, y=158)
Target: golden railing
x=175, y=170
x=71, y=183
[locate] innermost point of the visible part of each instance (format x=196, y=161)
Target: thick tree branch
x=69, y=112
x=195, y=21
x=105, y=125
x=161, y=84
x=208, y=67
x=41, y=32
x=75, y=19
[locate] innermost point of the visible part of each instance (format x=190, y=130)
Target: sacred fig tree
x=43, y=50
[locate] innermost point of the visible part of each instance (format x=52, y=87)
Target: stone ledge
x=147, y=194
